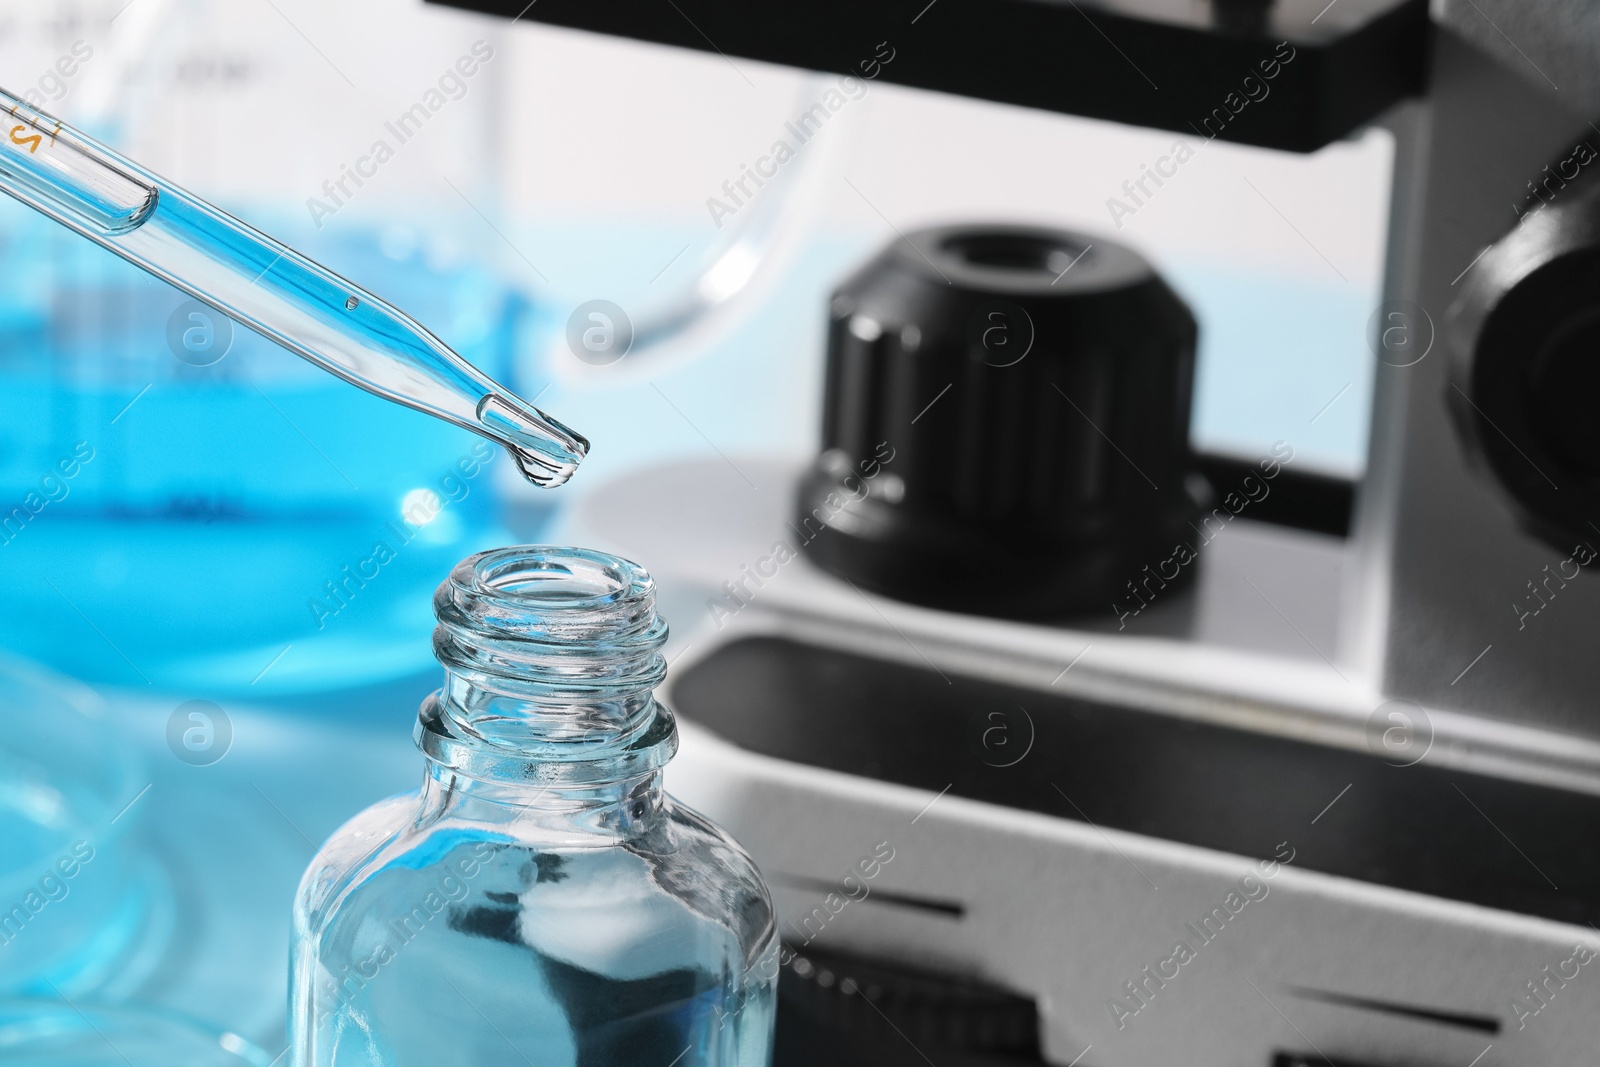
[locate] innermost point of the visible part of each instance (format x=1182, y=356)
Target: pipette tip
x=541, y=471
x=546, y=452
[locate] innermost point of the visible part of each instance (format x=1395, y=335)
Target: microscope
x=978, y=689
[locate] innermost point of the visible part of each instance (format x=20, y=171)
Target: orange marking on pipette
x=32, y=141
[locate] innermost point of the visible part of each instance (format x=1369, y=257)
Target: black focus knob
x=1006, y=423
x=1524, y=340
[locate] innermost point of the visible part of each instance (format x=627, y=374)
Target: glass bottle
x=541, y=899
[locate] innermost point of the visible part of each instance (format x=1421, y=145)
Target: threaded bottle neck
x=551, y=657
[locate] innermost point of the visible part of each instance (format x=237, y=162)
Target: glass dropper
x=267, y=286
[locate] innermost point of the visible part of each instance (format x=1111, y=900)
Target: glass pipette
x=267, y=286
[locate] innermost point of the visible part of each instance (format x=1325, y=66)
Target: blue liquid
x=188, y=551
x=460, y=947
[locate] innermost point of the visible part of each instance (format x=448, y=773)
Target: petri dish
x=78, y=897
x=39, y=1033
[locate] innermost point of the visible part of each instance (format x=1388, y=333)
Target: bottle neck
x=603, y=813
x=547, y=718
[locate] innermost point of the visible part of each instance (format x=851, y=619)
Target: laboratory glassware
x=46, y=1033
x=267, y=286
x=227, y=512
x=225, y=457
x=80, y=903
x=541, y=898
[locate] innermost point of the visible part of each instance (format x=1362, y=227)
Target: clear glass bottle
x=541, y=900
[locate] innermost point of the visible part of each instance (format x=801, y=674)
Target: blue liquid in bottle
x=541, y=899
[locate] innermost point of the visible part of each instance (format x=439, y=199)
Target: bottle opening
x=551, y=656
x=559, y=577
x=549, y=595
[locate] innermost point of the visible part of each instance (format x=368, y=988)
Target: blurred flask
x=80, y=906
x=181, y=502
